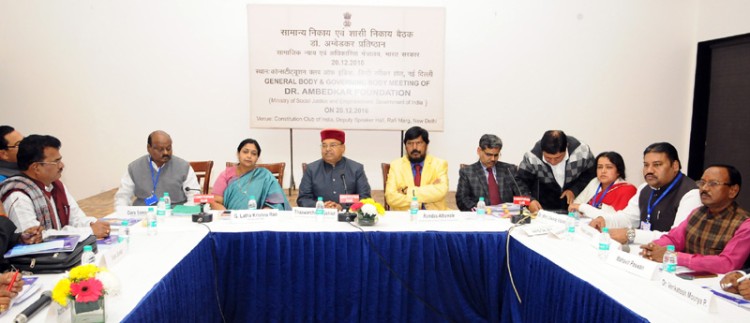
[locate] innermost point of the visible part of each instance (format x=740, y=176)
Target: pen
x=739, y=280
x=13, y=280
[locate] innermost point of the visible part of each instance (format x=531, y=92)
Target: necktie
x=492, y=186
x=418, y=176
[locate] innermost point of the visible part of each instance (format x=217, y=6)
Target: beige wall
x=102, y=74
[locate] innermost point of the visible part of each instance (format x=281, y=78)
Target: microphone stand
x=202, y=217
x=346, y=216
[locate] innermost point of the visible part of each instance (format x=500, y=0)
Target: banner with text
x=348, y=67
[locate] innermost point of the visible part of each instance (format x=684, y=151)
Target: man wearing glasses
x=417, y=174
x=333, y=174
x=489, y=177
x=9, y=141
x=38, y=198
x=663, y=202
x=716, y=236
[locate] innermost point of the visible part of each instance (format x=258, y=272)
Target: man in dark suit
x=488, y=177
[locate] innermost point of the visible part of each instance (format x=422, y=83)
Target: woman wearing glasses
x=237, y=185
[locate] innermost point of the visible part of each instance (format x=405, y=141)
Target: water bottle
x=123, y=235
x=253, y=205
x=571, y=224
x=319, y=209
x=481, y=207
x=413, y=208
x=88, y=257
x=168, y=203
x=161, y=210
x=604, y=240
x=151, y=222
x=669, y=262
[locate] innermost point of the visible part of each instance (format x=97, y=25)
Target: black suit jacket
x=472, y=184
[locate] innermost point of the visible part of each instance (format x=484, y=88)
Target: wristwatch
x=631, y=235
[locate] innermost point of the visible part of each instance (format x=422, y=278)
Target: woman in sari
x=236, y=184
x=608, y=191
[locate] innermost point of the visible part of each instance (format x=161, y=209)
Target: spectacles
x=332, y=146
x=56, y=163
x=711, y=184
x=15, y=146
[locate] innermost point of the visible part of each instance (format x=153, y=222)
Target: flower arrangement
x=367, y=211
x=85, y=283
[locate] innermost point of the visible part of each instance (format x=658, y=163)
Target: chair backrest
x=385, y=167
x=202, y=170
x=304, y=168
x=277, y=169
x=462, y=166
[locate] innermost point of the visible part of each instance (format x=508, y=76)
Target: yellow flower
x=378, y=206
x=61, y=292
x=83, y=272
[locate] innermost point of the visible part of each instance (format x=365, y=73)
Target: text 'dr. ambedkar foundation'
x=346, y=67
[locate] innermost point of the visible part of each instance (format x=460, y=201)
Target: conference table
x=294, y=268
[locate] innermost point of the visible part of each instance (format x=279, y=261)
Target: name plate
x=133, y=211
x=543, y=227
x=690, y=292
x=309, y=212
x=552, y=216
x=589, y=231
x=348, y=198
x=429, y=216
x=634, y=264
x=114, y=254
x=253, y=215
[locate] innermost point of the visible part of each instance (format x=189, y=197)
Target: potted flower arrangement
x=82, y=292
x=367, y=211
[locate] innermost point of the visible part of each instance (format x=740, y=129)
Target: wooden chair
x=202, y=170
x=304, y=168
x=462, y=166
x=385, y=167
x=277, y=169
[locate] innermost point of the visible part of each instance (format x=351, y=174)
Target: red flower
x=356, y=206
x=88, y=290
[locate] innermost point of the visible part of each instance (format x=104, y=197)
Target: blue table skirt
x=551, y=294
x=340, y=277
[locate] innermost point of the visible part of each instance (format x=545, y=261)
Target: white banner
x=347, y=67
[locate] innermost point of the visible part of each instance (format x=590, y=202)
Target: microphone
x=188, y=189
x=513, y=177
x=343, y=180
x=34, y=308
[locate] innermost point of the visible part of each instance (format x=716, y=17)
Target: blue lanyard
x=650, y=207
x=598, y=203
x=154, y=180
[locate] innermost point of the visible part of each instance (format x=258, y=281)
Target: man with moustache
x=9, y=140
x=38, y=197
x=664, y=201
x=325, y=177
x=417, y=174
x=488, y=177
x=149, y=176
x=716, y=236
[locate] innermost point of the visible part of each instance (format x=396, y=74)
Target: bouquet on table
x=367, y=211
x=82, y=292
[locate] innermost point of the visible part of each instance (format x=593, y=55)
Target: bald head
x=159, y=146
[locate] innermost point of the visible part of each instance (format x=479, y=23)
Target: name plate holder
x=114, y=254
x=688, y=291
x=133, y=211
x=309, y=212
x=634, y=264
x=552, y=216
x=253, y=215
x=438, y=216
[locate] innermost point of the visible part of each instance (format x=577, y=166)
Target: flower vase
x=366, y=220
x=87, y=312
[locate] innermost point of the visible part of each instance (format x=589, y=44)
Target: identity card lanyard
x=650, y=207
x=598, y=203
x=151, y=200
